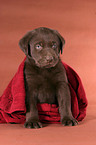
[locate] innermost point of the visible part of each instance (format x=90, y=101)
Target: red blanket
x=12, y=102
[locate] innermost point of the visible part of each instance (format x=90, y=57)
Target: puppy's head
x=43, y=45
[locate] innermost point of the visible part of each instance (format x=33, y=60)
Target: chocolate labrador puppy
x=45, y=76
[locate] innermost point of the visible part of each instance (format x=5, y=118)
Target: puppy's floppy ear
x=62, y=41
x=24, y=43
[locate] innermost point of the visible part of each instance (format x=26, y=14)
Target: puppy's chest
x=45, y=83
x=46, y=91
x=45, y=87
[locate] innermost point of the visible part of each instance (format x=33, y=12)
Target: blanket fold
x=12, y=102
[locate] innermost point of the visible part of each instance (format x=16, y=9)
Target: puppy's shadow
x=45, y=125
x=88, y=119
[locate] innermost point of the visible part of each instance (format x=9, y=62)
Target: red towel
x=12, y=102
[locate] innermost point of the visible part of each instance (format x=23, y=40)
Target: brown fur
x=45, y=76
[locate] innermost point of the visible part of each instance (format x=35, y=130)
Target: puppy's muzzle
x=49, y=59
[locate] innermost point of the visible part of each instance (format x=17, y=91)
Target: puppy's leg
x=32, y=118
x=64, y=101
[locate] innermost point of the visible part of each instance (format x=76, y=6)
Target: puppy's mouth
x=47, y=64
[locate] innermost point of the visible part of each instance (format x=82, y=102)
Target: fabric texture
x=12, y=102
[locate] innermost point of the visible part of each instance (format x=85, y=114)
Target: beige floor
x=76, y=21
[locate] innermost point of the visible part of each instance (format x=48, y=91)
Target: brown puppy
x=45, y=76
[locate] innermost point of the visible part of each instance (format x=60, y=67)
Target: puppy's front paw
x=69, y=121
x=30, y=124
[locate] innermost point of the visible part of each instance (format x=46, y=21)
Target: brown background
x=76, y=21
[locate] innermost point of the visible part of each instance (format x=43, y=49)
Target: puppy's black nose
x=49, y=58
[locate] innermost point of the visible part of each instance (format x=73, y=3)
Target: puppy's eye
x=38, y=47
x=54, y=45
